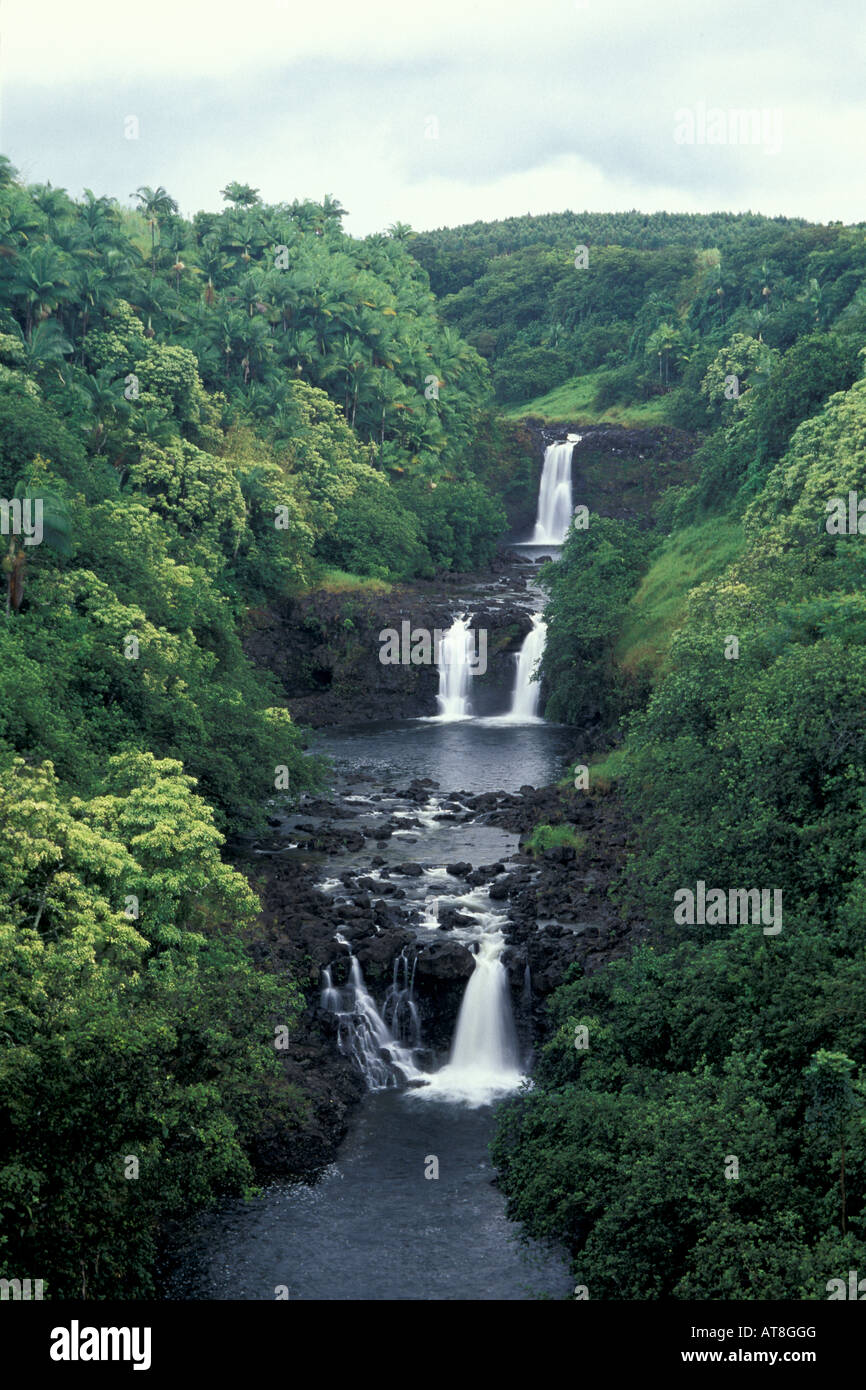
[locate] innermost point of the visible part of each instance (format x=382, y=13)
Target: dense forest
x=222, y=412
x=661, y=294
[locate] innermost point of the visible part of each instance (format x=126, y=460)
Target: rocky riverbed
x=362, y=863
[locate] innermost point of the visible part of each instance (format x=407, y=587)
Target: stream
x=409, y=1209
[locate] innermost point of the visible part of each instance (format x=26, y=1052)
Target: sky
x=441, y=113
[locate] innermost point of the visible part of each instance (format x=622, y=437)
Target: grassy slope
x=572, y=401
x=686, y=559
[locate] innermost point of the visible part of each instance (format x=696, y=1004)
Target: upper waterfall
x=554, y=495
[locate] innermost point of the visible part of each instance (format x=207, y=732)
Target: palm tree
x=256, y=344
x=215, y=264
x=104, y=400
x=94, y=291
x=98, y=220
x=350, y=361
x=55, y=534
x=46, y=345
x=333, y=210
x=242, y=195
x=247, y=236
x=40, y=281
x=156, y=204
x=54, y=203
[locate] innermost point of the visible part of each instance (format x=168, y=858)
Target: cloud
x=555, y=104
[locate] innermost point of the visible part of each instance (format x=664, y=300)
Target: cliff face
x=620, y=472
x=325, y=648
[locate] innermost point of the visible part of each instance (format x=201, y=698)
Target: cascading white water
x=484, y=1061
x=399, y=1011
x=363, y=1034
x=554, y=495
x=330, y=994
x=525, y=696
x=455, y=656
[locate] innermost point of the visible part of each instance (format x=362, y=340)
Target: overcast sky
x=444, y=112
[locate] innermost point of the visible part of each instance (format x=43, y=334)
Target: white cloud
x=544, y=105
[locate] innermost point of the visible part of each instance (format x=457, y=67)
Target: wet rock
x=445, y=960
x=451, y=917
x=459, y=869
x=376, y=955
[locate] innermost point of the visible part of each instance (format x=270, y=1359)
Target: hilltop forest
x=238, y=408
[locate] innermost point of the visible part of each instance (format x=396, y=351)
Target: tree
x=241, y=195
x=157, y=205
x=830, y=1086
x=53, y=521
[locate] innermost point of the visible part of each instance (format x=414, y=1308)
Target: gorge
x=437, y=1011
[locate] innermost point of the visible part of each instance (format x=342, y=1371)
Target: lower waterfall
x=484, y=1061
x=362, y=1032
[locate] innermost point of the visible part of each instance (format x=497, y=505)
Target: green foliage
x=590, y=587
x=461, y=522
x=147, y=1038
x=374, y=533
x=554, y=837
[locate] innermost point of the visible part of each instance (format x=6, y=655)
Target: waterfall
x=363, y=1034
x=554, y=495
x=484, y=1061
x=330, y=995
x=399, y=1011
x=526, y=693
x=455, y=656
x=527, y=987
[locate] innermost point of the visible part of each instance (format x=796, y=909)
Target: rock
x=409, y=869
x=459, y=869
x=451, y=917
x=446, y=960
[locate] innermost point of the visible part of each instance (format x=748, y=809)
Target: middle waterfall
x=526, y=693
x=455, y=656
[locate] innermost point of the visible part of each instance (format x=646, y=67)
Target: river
x=410, y=1209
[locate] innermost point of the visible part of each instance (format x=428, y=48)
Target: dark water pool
x=374, y=1227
